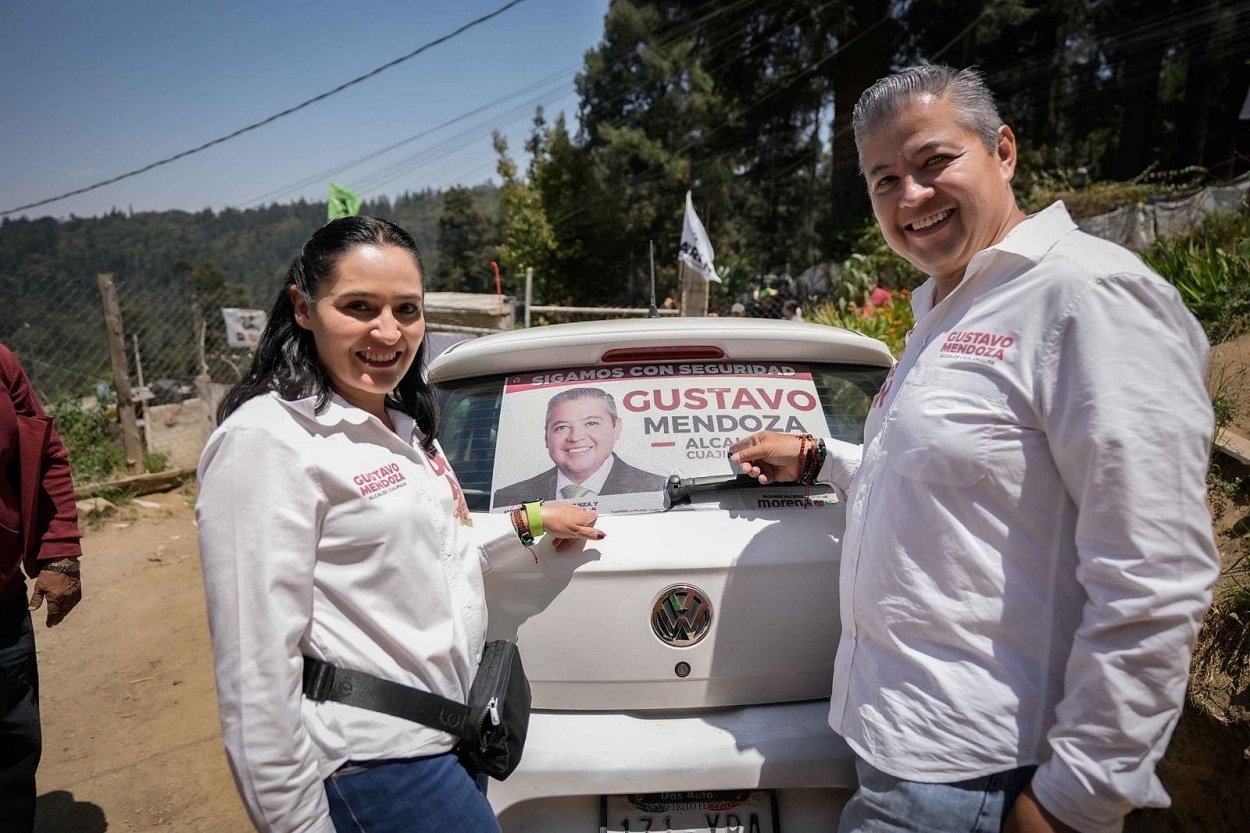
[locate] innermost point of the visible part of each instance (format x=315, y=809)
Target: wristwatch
x=69, y=568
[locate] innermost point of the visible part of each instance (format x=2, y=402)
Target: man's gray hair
x=965, y=89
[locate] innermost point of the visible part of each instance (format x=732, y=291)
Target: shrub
x=1210, y=268
x=154, y=461
x=889, y=323
x=1037, y=186
x=94, y=453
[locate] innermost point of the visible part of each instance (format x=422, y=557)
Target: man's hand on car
x=768, y=456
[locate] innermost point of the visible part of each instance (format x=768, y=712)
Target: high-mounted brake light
x=624, y=355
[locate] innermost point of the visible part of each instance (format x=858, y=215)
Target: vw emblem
x=681, y=615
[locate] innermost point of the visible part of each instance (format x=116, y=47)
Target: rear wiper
x=679, y=489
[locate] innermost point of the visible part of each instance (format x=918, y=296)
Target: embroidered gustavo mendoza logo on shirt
x=374, y=484
x=986, y=348
x=442, y=468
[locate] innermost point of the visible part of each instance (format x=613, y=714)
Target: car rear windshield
x=612, y=435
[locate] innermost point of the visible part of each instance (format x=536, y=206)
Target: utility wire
x=372, y=181
x=437, y=41
x=558, y=77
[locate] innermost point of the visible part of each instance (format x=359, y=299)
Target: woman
x=331, y=525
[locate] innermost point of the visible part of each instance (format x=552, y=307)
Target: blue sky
x=90, y=90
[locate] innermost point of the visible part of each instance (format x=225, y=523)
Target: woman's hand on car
x=768, y=456
x=567, y=522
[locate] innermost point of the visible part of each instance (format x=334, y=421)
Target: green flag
x=343, y=202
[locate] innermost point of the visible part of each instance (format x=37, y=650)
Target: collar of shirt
x=594, y=483
x=339, y=410
x=1032, y=238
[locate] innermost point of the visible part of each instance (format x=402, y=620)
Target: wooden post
x=116, y=338
x=693, y=291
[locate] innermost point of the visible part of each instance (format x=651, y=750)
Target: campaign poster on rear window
x=612, y=436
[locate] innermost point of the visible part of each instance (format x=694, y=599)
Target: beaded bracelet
x=803, y=438
x=520, y=522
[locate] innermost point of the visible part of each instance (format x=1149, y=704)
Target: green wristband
x=534, y=514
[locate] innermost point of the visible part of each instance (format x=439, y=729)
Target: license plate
x=753, y=811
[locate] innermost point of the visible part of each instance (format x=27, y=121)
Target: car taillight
x=630, y=355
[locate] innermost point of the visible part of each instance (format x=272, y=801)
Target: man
x=582, y=428
x=1028, y=552
x=765, y=305
x=38, y=531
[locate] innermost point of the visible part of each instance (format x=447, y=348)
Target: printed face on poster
x=612, y=436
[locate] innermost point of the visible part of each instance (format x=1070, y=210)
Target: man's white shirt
x=1028, y=552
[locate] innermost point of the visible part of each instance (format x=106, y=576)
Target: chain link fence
x=131, y=391
x=132, y=368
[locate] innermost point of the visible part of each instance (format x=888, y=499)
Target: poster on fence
x=243, y=326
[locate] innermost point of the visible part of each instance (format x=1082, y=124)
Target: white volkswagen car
x=680, y=667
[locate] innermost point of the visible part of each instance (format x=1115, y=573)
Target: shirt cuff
x=1073, y=799
x=498, y=544
x=841, y=463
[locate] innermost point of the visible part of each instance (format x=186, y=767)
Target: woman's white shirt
x=330, y=535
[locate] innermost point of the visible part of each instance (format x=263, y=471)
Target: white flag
x=696, y=249
x=243, y=326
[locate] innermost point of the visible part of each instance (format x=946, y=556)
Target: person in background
x=738, y=310
x=791, y=311
x=332, y=526
x=765, y=305
x=1028, y=551
x=38, y=534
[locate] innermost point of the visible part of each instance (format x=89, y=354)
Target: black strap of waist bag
x=323, y=681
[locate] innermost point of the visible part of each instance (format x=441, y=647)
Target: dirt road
x=129, y=710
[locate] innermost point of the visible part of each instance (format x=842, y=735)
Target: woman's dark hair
x=286, y=358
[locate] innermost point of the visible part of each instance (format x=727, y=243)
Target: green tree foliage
x=744, y=103
x=466, y=242
x=161, y=262
x=747, y=103
x=527, y=238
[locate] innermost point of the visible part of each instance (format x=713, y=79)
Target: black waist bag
x=491, y=727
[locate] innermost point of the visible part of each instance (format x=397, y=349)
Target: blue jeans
x=421, y=795
x=885, y=804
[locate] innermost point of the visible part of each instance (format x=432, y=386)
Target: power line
x=388, y=173
x=558, y=77
x=437, y=41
